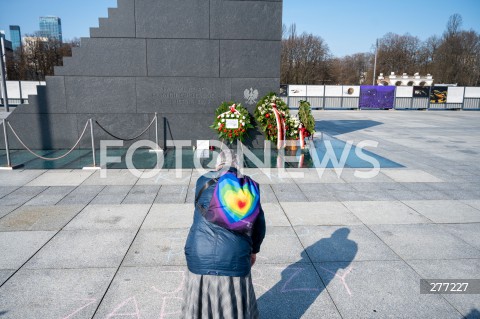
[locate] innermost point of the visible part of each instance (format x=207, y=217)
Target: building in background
x=51, y=28
x=15, y=37
x=405, y=80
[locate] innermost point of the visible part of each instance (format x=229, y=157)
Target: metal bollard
x=93, y=143
x=7, y=148
x=159, y=149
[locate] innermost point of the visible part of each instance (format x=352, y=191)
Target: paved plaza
x=74, y=245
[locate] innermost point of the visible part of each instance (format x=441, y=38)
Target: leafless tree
x=37, y=58
x=305, y=58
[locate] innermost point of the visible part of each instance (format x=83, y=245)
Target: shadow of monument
x=473, y=314
x=335, y=127
x=290, y=297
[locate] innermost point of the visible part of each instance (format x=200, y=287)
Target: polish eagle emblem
x=250, y=96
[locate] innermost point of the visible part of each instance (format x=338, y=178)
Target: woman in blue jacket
x=227, y=231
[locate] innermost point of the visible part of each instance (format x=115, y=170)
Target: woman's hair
x=226, y=159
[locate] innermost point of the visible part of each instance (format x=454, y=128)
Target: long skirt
x=219, y=297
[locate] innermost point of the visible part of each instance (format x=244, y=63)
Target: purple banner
x=377, y=97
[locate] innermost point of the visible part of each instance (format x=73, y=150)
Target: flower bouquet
x=307, y=122
x=232, y=122
x=270, y=114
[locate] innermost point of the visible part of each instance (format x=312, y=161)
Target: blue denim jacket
x=213, y=250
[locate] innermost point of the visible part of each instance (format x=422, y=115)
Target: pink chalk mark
x=178, y=289
x=297, y=271
x=135, y=314
x=342, y=278
x=80, y=309
x=164, y=304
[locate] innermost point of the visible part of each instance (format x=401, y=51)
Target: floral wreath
x=271, y=112
x=232, y=122
x=292, y=126
x=307, y=122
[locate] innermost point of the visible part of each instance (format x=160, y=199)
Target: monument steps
x=179, y=58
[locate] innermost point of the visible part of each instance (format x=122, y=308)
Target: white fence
x=406, y=97
x=18, y=91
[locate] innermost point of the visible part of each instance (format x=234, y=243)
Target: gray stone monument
x=180, y=58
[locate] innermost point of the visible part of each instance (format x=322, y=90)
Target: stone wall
x=180, y=58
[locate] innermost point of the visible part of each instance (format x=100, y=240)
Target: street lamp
x=2, y=70
x=375, y=64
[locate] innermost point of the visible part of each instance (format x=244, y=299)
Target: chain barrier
x=48, y=158
x=128, y=139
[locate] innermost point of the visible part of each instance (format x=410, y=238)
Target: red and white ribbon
x=302, y=133
x=232, y=110
x=280, y=127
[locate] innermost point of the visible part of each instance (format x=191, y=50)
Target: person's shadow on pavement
x=297, y=291
x=473, y=314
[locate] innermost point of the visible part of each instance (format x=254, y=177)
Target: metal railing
x=326, y=100
x=7, y=126
x=13, y=101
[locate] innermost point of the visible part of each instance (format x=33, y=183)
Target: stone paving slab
x=446, y=211
x=290, y=249
x=144, y=292
x=54, y=293
x=385, y=212
x=17, y=247
x=191, y=193
x=18, y=178
x=5, y=190
x=319, y=213
x=316, y=194
x=411, y=176
x=274, y=215
x=402, y=195
x=291, y=291
x=83, y=249
x=81, y=195
x=172, y=194
x=22, y=195
x=354, y=176
x=424, y=241
x=362, y=196
x=4, y=274
x=165, y=177
x=343, y=243
x=112, y=177
x=463, y=194
x=39, y=218
x=473, y=203
x=267, y=195
x=105, y=217
x=273, y=177
x=470, y=233
x=111, y=194
x=154, y=247
x=312, y=175
x=163, y=216
x=288, y=193
x=51, y=195
x=5, y=210
x=379, y=187
x=452, y=269
x=61, y=178
x=141, y=194
x=381, y=289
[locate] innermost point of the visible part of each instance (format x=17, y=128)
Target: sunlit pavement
x=74, y=245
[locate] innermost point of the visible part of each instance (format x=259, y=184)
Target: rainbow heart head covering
x=235, y=203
